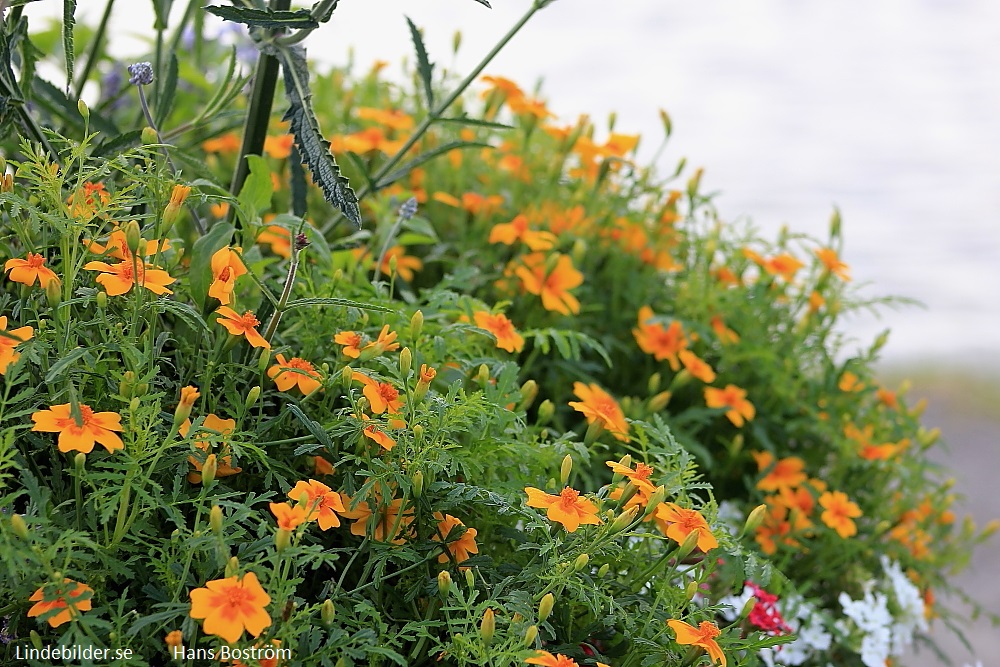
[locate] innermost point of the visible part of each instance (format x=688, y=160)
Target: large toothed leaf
x=424, y=66
x=325, y=16
x=69, y=21
x=313, y=148
x=265, y=18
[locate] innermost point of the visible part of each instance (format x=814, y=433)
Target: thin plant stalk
x=95, y=47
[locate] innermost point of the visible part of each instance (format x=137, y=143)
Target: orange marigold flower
x=460, y=547
x=785, y=265
x=517, y=230
x=445, y=198
x=887, y=398
x=351, y=340
x=678, y=523
x=568, y=508
x=832, y=263
x=294, y=372
x=529, y=106
x=849, y=382
x=381, y=396
x=227, y=143
x=226, y=268
x=390, y=522
x=222, y=427
x=597, y=405
x=85, y=202
x=546, y=659
x=320, y=501
x=726, y=335
x=839, y=512
x=230, y=606
x=81, y=435
x=507, y=336
x=639, y=476
x=788, y=472
x=279, y=238
x=703, y=637
x=242, y=325
x=662, y=343
x=375, y=432
x=734, y=398
x=10, y=340
x=774, y=528
x=502, y=85
x=696, y=366
x=405, y=264
x=173, y=639
x=279, y=147
x=386, y=342
x=117, y=246
x=118, y=279
x=30, y=269
x=322, y=467
x=816, y=301
x=69, y=597
x=395, y=119
x=289, y=517
x=427, y=374
x=552, y=286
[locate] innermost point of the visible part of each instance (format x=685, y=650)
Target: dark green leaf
x=165, y=103
x=333, y=301
x=255, y=196
x=312, y=426
x=477, y=122
x=161, y=13
x=298, y=183
x=389, y=179
x=424, y=66
x=184, y=311
x=60, y=368
x=265, y=18
x=69, y=21
x=200, y=275
x=314, y=149
x=323, y=18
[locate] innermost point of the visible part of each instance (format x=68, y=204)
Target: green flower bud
x=487, y=626
x=483, y=376
x=654, y=501
x=36, y=640
x=530, y=635
x=327, y=612
x=545, y=607
x=19, y=527
x=545, y=412
x=603, y=570
x=133, y=405
x=668, y=127
x=653, y=385
x=208, y=470
x=53, y=294
x=754, y=519
x=625, y=519
x=133, y=236
x=688, y=545
x=252, y=397
x=747, y=608
x=126, y=384
x=470, y=579
x=416, y=324
x=79, y=460
x=594, y=431
x=347, y=376
x=233, y=567
x=417, y=480
x=456, y=41
x=149, y=136
x=691, y=590
x=444, y=583
x=565, y=470
x=263, y=360
x=529, y=391
x=215, y=519
x=659, y=401
x=612, y=119
x=581, y=562
x=282, y=539
x=102, y=300
x=405, y=362
x=84, y=110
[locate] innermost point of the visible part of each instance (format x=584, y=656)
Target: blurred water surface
x=888, y=110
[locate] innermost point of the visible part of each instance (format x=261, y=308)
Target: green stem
x=95, y=47
x=286, y=293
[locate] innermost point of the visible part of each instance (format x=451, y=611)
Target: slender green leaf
x=477, y=122
x=312, y=426
x=333, y=301
x=425, y=68
x=391, y=178
x=60, y=368
x=184, y=311
x=313, y=147
x=265, y=18
x=217, y=237
x=69, y=22
x=165, y=103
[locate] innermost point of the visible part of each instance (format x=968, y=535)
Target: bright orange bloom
x=774, y=528
x=546, y=659
x=639, y=476
x=118, y=279
x=785, y=265
x=30, y=269
x=365, y=141
x=351, y=341
x=703, y=636
x=80, y=436
x=389, y=525
x=517, y=230
x=227, y=143
x=734, y=398
x=508, y=88
x=320, y=501
x=568, y=508
x=226, y=268
x=680, y=522
x=816, y=301
x=799, y=502
x=395, y=119
x=849, y=382
x=85, y=203
x=726, y=335
x=531, y=107
x=279, y=238
x=375, y=432
x=887, y=398
x=381, y=396
x=498, y=325
x=427, y=374
x=289, y=517
x=445, y=198
x=788, y=472
x=662, y=343
x=839, y=513
x=230, y=606
x=597, y=405
x=476, y=204
x=832, y=263
x=242, y=325
x=117, y=246
x=553, y=287
x=322, y=467
x=460, y=547
x=294, y=372
x=696, y=366
x=223, y=427
x=70, y=597
x=386, y=342
x=173, y=639
x=10, y=340
x=279, y=147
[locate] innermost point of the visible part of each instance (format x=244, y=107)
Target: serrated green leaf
x=200, y=274
x=255, y=195
x=313, y=147
x=334, y=301
x=69, y=22
x=425, y=68
x=323, y=18
x=391, y=178
x=265, y=18
x=165, y=103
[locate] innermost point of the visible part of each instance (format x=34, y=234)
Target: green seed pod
x=487, y=627
x=545, y=607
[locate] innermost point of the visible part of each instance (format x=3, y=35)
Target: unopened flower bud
x=133, y=236
x=84, y=110
x=488, y=626
x=694, y=182
x=545, y=607
x=655, y=500
x=747, y=608
x=581, y=562
x=19, y=527
x=691, y=590
x=6, y=182
x=405, y=361
x=625, y=519
x=215, y=519
x=418, y=432
x=189, y=395
x=263, y=360
x=603, y=570
x=545, y=411
x=529, y=391
x=470, y=579
x=483, y=375
x=79, y=461
x=347, y=376
x=627, y=493
x=579, y=251
x=688, y=545
x=209, y=469
x=530, y=635
x=126, y=385
x=133, y=405
x=659, y=401
x=53, y=295
x=668, y=127
x=754, y=519
x=102, y=300
x=327, y=612
x=282, y=539
x=233, y=567
x=416, y=324
x=173, y=208
x=36, y=640
x=653, y=384
x=991, y=527
x=444, y=583
x=252, y=397
x=456, y=41
x=594, y=431
x=565, y=470
x=417, y=482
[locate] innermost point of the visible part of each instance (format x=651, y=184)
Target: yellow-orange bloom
x=785, y=265
x=460, y=547
x=227, y=143
x=10, y=340
x=850, y=382
x=381, y=396
x=734, y=398
x=117, y=246
x=508, y=88
x=517, y=230
x=395, y=119
x=597, y=405
x=242, y=325
x=230, y=606
x=725, y=334
x=70, y=597
x=226, y=268
x=639, y=476
x=786, y=473
x=279, y=238
x=375, y=432
x=173, y=639
x=294, y=372
x=223, y=427
x=279, y=147
x=546, y=659
x=703, y=637
x=386, y=342
x=679, y=522
x=351, y=340
x=507, y=336
x=663, y=343
x=289, y=517
x=839, y=512
x=568, y=508
x=696, y=366
x=832, y=263
x=118, y=279
x=321, y=503
x=552, y=286
x=322, y=467
x=30, y=269
x=390, y=522
x=93, y=427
